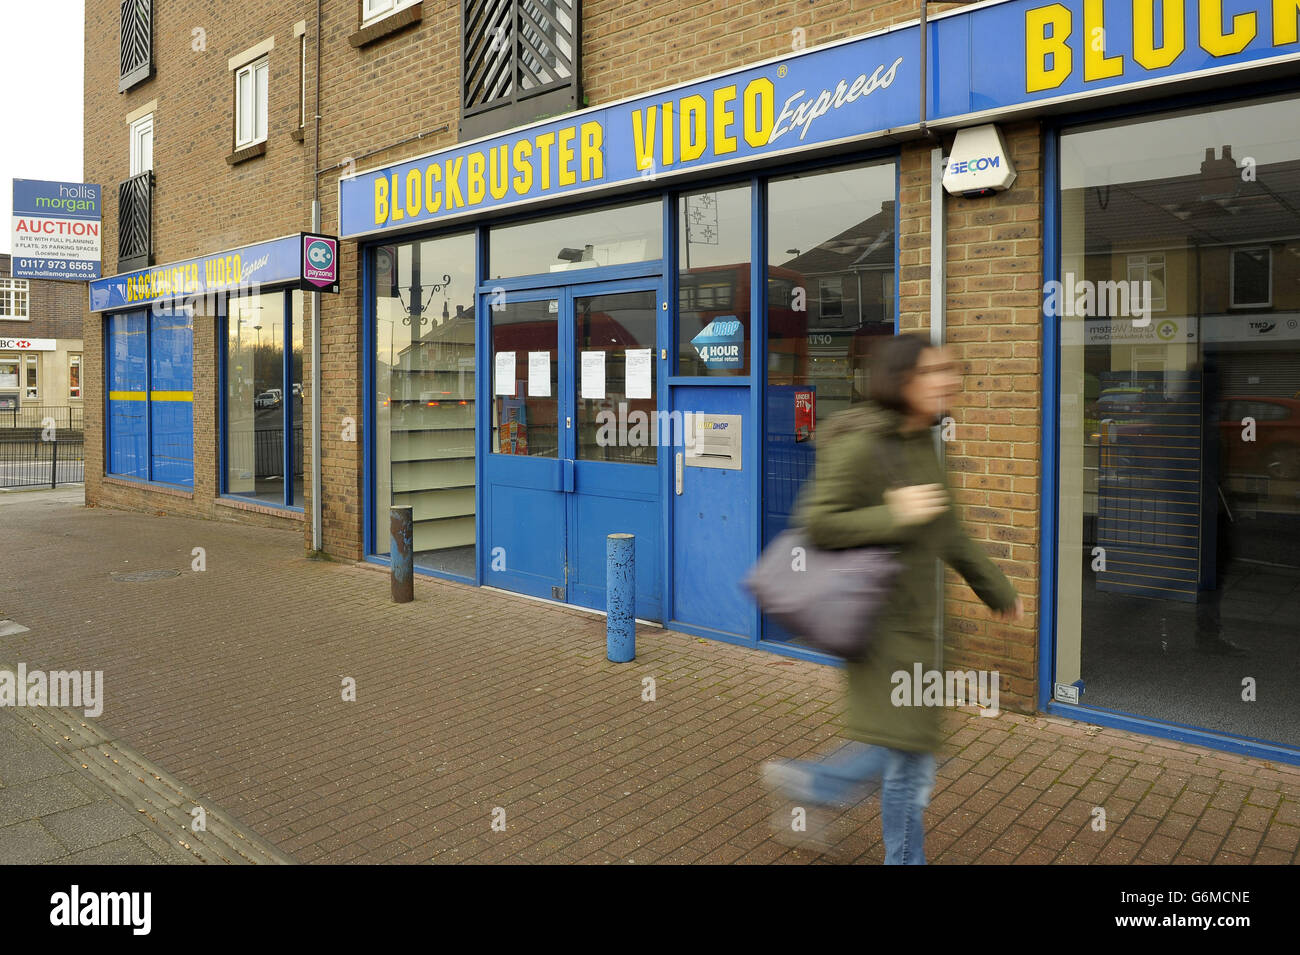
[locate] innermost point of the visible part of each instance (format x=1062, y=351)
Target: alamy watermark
x=1083, y=298
x=921, y=687
x=63, y=689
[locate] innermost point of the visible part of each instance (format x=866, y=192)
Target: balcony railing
x=135, y=223
x=520, y=61
x=137, y=43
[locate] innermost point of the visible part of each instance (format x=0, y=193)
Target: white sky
x=41, y=69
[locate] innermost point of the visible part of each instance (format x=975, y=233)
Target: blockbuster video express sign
x=988, y=59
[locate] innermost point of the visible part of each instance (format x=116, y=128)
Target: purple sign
x=320, y=262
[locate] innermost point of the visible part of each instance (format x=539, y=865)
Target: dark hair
x=893, y=361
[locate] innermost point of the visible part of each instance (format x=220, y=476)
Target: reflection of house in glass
x=826, y=305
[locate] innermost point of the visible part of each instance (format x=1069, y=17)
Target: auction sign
x=56, y=229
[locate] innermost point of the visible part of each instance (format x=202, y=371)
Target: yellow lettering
x=567, y=176
x=396, y=206
x=523, y=162
x=693, y=134
x=414, y=183
x=593, y=156
x=668, y=135
x=760, y=110
x=451, y=183
x=1286, y=15
x=499, y=171
x=381, y=200
x=477, y=187
x=1145, y=52
x=1217, y=43
x=432, y=193
x=723, y=142
x=544, y=143
x=1096, y=64
x=643, y=136
x=1039, y=46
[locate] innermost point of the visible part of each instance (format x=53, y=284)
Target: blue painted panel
x=712, y=526
x=614, y=498
x=525, y=546
x=171, y=398
x=128, y=383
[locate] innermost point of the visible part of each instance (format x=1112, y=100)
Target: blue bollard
x=401, y=554
x=620, y=597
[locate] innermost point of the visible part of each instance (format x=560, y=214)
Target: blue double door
x=573, y=451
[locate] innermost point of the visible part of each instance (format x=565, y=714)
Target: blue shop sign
x=243, y=270
x=993, y=58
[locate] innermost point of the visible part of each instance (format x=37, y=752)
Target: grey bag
x=830, y=598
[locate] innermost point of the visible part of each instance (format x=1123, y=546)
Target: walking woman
x=878, y=481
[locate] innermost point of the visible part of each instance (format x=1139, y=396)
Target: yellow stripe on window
x=172, y=395
x=126, y=396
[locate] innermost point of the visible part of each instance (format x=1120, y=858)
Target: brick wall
x=54, y=308
x=201, y=203
x=993, y=314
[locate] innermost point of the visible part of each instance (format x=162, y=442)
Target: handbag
x=829, y=598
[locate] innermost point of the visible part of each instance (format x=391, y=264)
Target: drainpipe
x=316, y=430
x=938, y=296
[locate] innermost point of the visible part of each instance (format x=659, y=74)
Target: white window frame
x=826, y=284
x=14, y=289
x=372, y=11
x=31, y=391
x=17, y=362
x=139, y=129
x=1232, y=277
x=74, y=361
x=255, y=110
x=1139, y=269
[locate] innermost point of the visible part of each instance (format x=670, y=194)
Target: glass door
x=573, y=446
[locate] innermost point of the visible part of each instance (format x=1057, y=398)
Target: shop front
x=218, y=336
x=633, y=319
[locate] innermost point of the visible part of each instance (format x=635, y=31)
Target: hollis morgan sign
x=985, y=60
x=56, y=228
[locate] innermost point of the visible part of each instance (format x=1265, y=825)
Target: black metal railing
x=520, y=60
x=31, y=462
x=135, y=222
x=38, y=418
x=137, y=43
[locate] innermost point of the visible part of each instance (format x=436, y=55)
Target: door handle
x=568, y=421
x=677, y=472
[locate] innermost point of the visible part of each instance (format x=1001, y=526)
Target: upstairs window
x=13, y=298
x=142, y=145
x=373, y=10
x=250, y=103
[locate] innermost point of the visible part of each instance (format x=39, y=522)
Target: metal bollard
x=620, y=597
x=401, y=553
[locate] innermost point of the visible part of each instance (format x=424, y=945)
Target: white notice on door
x=539, y=374
x=505, y=373
x=638, y=373
x=593, y=374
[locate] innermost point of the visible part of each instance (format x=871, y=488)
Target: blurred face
x=933, y=384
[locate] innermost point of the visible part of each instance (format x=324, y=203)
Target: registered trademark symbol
x=781, y=70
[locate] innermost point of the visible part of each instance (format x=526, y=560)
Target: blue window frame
x=149, y=362
x=261, y=398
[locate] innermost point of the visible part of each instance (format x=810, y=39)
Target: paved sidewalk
x=470, y=701
x=51, y=813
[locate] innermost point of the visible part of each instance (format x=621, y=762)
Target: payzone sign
x=320, y=263
x=56, y=228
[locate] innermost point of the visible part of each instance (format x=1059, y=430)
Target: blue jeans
x=908, y=780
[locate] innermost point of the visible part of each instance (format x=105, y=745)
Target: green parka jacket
x=861, y=453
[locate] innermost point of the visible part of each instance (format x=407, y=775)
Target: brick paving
x=469, y=700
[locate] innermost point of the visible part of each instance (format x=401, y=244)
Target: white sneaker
x=781, y=776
